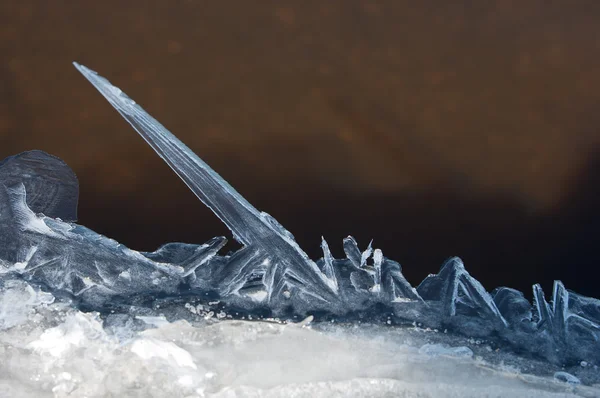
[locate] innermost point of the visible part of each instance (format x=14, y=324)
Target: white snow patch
x=150, y=348
x=56, y=351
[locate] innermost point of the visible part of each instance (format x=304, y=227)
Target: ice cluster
x=270, y=276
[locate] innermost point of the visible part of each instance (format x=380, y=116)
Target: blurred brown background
x=437, y=128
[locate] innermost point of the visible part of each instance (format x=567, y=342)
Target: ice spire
x=287, y=261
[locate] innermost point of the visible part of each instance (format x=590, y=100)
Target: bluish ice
x=66, y=287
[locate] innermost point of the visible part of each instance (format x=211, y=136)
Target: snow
x=54, y=350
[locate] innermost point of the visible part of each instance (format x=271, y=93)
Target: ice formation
x=270, y=276
x=53, y=350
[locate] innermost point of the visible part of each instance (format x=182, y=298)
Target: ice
x=352, y=252
x=513, y=305
x=18, y=300
x=394, y=284
x=170, y=352
x=255, y=230
x=568, y=324
x=80, y=295
x=328, y=267
x=23, y=217
x=54, y=183
x=63, y=352
x=435, y=350
x=566, y=378
x=184, y=258
x=459, y=291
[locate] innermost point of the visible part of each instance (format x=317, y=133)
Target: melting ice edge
x=270, y=274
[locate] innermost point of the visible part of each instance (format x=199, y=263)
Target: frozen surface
x=50, y=349
x=96, y=318
x=53, y=185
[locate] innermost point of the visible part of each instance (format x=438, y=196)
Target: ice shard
x=352, y=252
x=566, y=315
x=394, y=284
x=328, y=268
x=274, y=252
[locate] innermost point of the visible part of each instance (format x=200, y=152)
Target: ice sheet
x=58, y=351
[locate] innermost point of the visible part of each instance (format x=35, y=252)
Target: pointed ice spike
x=352, y=252
x=377, y=261
x=560, y=302
x=239, y=215
x=542, y=307
x=366, y=254
x=328, y=260
x=395, y=286
x=249, y=226
x=456, y=285
x=556, y=318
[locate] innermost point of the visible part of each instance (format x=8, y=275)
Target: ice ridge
x=270, y=274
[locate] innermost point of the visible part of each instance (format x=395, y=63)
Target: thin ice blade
x=239, y=215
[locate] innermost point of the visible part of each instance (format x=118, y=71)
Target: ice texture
x=53, y=185
x=55, y=350
x=270, y=276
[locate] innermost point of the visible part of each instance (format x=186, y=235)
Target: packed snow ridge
x=269, y=276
